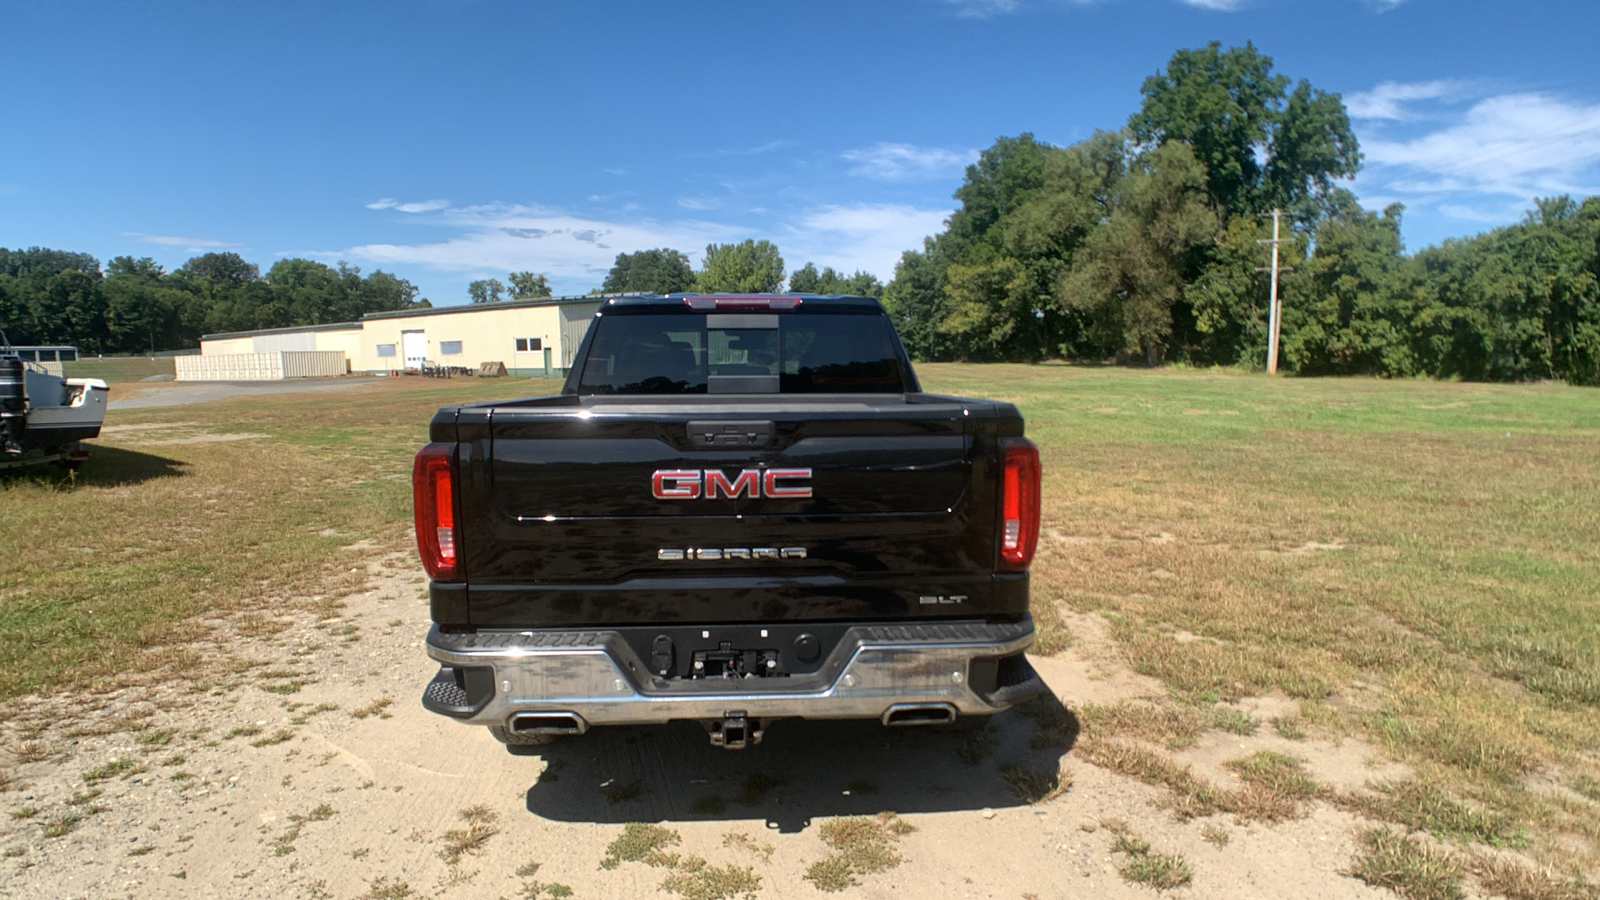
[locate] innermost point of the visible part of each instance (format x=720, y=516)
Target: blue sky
x=447, y=140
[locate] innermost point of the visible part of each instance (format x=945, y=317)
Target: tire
x=521, y=738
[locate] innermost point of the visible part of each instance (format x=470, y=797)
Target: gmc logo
x=688, y=484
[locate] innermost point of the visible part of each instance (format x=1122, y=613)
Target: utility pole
x=1274, y=309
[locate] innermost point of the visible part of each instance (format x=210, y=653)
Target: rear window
x=742, y=353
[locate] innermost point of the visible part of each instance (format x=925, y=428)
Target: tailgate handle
x=721, y=433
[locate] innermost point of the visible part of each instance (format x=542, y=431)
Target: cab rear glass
x=739, y=353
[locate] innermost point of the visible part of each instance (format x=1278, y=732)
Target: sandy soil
x=328, y=790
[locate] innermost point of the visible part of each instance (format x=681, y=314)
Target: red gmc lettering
x=748, y=482
x=689, y=484
x=675, y=484
x=774, y=489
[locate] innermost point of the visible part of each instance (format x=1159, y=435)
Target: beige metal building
x=531, y=337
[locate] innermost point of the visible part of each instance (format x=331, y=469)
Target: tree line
x=1143, y=245
x=748, y=267
x=134, y=305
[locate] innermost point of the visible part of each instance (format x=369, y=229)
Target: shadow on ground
x=803, y=770
x=105, y=467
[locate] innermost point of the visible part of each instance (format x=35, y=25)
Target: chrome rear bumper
x=489, y=678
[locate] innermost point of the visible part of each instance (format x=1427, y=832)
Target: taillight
x=433, y=493
x=1019, y=503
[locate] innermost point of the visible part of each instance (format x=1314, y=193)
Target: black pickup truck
x=738, y=509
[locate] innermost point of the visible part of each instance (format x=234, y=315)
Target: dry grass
x=1407, y=866
x=283, y=845
x=861, y=845
x=1508, y=878
x=1142, y=865
x=1425, y=807
x=696, y=879
x=1177, y=726
x=1032, y=785
x=375, y=708
x=383, y=888
x=740, y=841
x=474, y=838
x=1419, y=553
x=173, y=539
x=1275, y=786
x=641, y=842
x=691, y=877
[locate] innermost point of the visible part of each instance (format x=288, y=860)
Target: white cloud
x=1519, y=145
x=1219, y=5
x=577, y=251
x=193, y=244
x=982, y=9
x=768, y=147
x=1494, y=214
x=1386, y=100
x=419, y=206
x=905, y=162
x=864, y=236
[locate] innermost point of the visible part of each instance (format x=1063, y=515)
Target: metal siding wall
x=230, y=367
x=313, y=363
x=272, y=343
x=574, y=325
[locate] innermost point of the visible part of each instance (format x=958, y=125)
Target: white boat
x=43, y=417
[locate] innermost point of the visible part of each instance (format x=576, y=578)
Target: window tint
x=385, y=349
x=449, y=348
x=795, y=353
x=529, y=345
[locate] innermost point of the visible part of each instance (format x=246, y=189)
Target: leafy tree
x=1229, y=296
x=143, y=309
x=807, y=280
x=381, y=291
x=915, y=299
x=1261, y=145
x=1004, y=176
x=662, y=271
x=1350, y=309
x=221, y=269
x=486, y=290
x=1132, y=270
x=527, y=285
x=751, y=267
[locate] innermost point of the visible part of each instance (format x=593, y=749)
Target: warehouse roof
x=487, y=307
x=293, y=329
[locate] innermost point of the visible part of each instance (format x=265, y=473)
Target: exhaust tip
x=919, y=714
x=548, y=723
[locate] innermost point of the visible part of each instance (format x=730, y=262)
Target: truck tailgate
x=764, y=510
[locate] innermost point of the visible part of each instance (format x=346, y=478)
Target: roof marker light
x=713, y=303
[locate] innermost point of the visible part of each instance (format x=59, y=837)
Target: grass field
x=1413, y=562
x=119, y=369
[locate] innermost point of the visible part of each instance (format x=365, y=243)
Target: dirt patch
x=313, y=771
x=171, y=434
